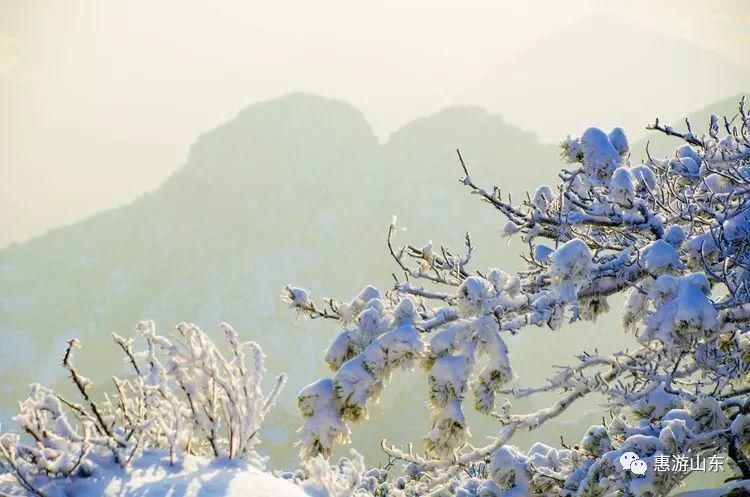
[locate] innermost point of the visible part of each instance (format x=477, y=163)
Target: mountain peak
x=272, y=141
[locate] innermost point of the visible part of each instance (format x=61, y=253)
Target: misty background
x=183, y=161
x=100, y=101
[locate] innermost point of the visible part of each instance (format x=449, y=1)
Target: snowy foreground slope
x=152, y=476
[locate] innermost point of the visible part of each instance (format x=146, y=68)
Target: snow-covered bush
x=671, y=235
x=183, y=396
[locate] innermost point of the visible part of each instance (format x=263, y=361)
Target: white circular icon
x=638, y=467
x=626, y=460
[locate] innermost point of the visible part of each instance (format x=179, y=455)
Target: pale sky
x=100, y=100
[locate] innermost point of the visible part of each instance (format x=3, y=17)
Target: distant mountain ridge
x=599, y=71
x=296, y=189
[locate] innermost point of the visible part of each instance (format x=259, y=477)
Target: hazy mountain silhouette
x=603, y=71
x=435, y=205
x=296, y=189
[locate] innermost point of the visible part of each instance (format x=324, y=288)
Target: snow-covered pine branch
x=184, y=395
x=671, y=235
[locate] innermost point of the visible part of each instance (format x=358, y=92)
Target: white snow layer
x=151, y=475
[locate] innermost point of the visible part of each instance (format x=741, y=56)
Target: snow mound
x=660, y=256
x=151, y=475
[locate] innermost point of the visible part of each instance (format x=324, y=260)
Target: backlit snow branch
x=671, y=234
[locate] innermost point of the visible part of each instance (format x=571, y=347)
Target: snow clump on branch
x=671, y=234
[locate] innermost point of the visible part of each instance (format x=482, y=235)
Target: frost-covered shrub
x=671, y=234
x=348, y=477
x=184, y=395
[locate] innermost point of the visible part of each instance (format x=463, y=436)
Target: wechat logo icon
x=631, y=462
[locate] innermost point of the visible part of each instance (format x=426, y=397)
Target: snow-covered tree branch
x=671, y=235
